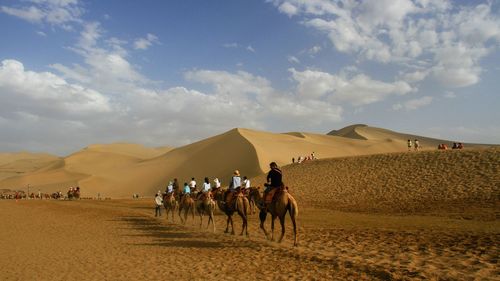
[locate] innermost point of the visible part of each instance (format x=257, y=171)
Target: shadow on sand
x=171, y=235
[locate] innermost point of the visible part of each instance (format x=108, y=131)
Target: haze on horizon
x=74, y=73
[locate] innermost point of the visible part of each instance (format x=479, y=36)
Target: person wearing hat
x=234, y=184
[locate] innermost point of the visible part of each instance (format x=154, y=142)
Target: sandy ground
x=122, y=240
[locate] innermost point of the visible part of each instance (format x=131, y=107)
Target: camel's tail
x=294, y=208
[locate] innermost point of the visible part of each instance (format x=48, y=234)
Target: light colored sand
x=121, y=240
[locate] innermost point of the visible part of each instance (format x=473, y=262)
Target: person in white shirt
x=158, y=204
x=217, y=183
x=246, y=183
x=206, y=186
x=192, y=184
x=170, y=188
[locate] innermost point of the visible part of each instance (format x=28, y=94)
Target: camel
x=251, y=200
x=241, y=206
x=187, y=204
x=282, y=203
x=170, y=204
x=205, y=205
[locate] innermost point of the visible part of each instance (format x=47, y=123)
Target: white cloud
x=288, y=9
x=314, y=50
x=230, y=45
x=145, y=43
x=293, y=59
x=31, y=14
x=357, y=90
x=450, y=95
x=250, y=49
x=407, y=32
x=46, y=94
x=41, y=33
x=413, y=104
x=54, y=12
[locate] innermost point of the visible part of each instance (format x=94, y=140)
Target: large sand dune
x=14, y=164
x=120, y=170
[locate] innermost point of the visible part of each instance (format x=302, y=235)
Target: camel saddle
x=231, y=197
x=273, y=194
x=204, y=196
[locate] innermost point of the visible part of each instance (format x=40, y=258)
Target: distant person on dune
x=460, y=145
x=417, y=145
x=409, y=145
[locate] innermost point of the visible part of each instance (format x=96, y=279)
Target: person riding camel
x=192, y=185
x=274, y=180
x=170, y=188
x=234, y=186
x=186, y=190
x=205, y=190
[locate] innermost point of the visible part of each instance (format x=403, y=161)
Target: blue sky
x=73, y=72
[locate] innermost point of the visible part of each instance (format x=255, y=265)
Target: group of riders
x=237, y=186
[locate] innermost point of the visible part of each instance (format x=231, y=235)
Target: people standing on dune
x=417, y=145
x=409, y=145
x=158, y=204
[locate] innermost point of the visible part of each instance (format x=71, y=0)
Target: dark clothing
x=275, y=178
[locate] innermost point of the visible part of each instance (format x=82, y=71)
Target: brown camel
x=205, y=205
x=241, y=206
x=187, y=204
x=282, y=203
x=170, y=204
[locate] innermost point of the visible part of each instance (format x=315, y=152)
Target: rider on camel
x=274, y=179
x=205, y=190
x=234, y=185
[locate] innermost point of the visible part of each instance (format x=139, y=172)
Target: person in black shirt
x=274, y=178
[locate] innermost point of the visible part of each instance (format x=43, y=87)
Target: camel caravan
x=239, y=198
x=72, y=194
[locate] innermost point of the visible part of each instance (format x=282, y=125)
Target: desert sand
x=369, y=210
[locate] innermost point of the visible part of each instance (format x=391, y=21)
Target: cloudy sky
x=76, y=72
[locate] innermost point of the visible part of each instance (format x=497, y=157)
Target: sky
x=170, y=73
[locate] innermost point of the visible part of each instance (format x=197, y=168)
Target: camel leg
x=295, y=243
x=273, y=218
x=282, y=222
x=192, y=213
x=180, y=216
x=227, y=225
x=262, y=216
x=232, y=225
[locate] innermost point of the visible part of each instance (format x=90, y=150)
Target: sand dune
x=459, y=183
x=13, y=164
x=120, y=169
